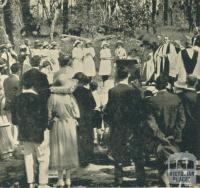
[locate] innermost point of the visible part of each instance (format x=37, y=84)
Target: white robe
x=105, y=63
x=161, y=54
x=88, y=61
x=77, y=55
x=181, y=72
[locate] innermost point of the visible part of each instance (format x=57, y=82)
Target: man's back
x=169, y=113
x=27, y=114
x=123, y=105
x=189, y=99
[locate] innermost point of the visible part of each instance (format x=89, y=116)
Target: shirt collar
x=35, y=68
x=29, y=91
x=15, y=75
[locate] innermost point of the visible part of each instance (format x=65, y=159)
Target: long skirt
x=77, y=65
x=105, y=67
x=89, y=66
x=63, y=145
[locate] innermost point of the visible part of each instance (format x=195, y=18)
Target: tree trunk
x=65, y=16
x=165, y=11
x=4, y=39
x=197, y=13
x=189, y=15
x=26, y=14
x=13, y=21
x=154, y=4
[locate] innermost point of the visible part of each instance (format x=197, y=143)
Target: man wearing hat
x=120, y=52
x=189, y=100
x=167, y=112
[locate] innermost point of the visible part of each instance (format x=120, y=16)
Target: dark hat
x=162, y=82
x=130, y=64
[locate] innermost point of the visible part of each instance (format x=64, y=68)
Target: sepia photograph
x=99, y=93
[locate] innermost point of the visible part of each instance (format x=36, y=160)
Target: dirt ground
x=99, y=173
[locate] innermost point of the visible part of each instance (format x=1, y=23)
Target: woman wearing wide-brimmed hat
x=105, y=68
x=77, y=55
x=88, y=60
x=120, y=52
x=63, y=114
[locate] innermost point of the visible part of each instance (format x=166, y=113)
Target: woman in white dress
x=88, y=60
x=77, y=55
x=105, y=68
x=120, y=52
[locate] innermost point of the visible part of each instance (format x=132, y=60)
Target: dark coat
x=40, y=83
x=122, y=113
x=163, y=120
x=169, y=114
x=86, y=103
x=189, y=100
x=28, y=115
x=11, y=88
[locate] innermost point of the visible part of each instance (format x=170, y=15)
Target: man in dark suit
x=167, y=113
x=38, y=79
x=11, y=89
x=122, y=113
x=189, y=100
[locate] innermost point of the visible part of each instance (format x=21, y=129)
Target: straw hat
x=104, y=43
x=119, y=42
x=77, y=42
x=23, y=46
x=9, y=45
x=152, y=89
x=54, y=43
x=45, y=44
x=88, y=42
x=180, y=85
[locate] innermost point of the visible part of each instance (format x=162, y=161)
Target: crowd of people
x=53, y=105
